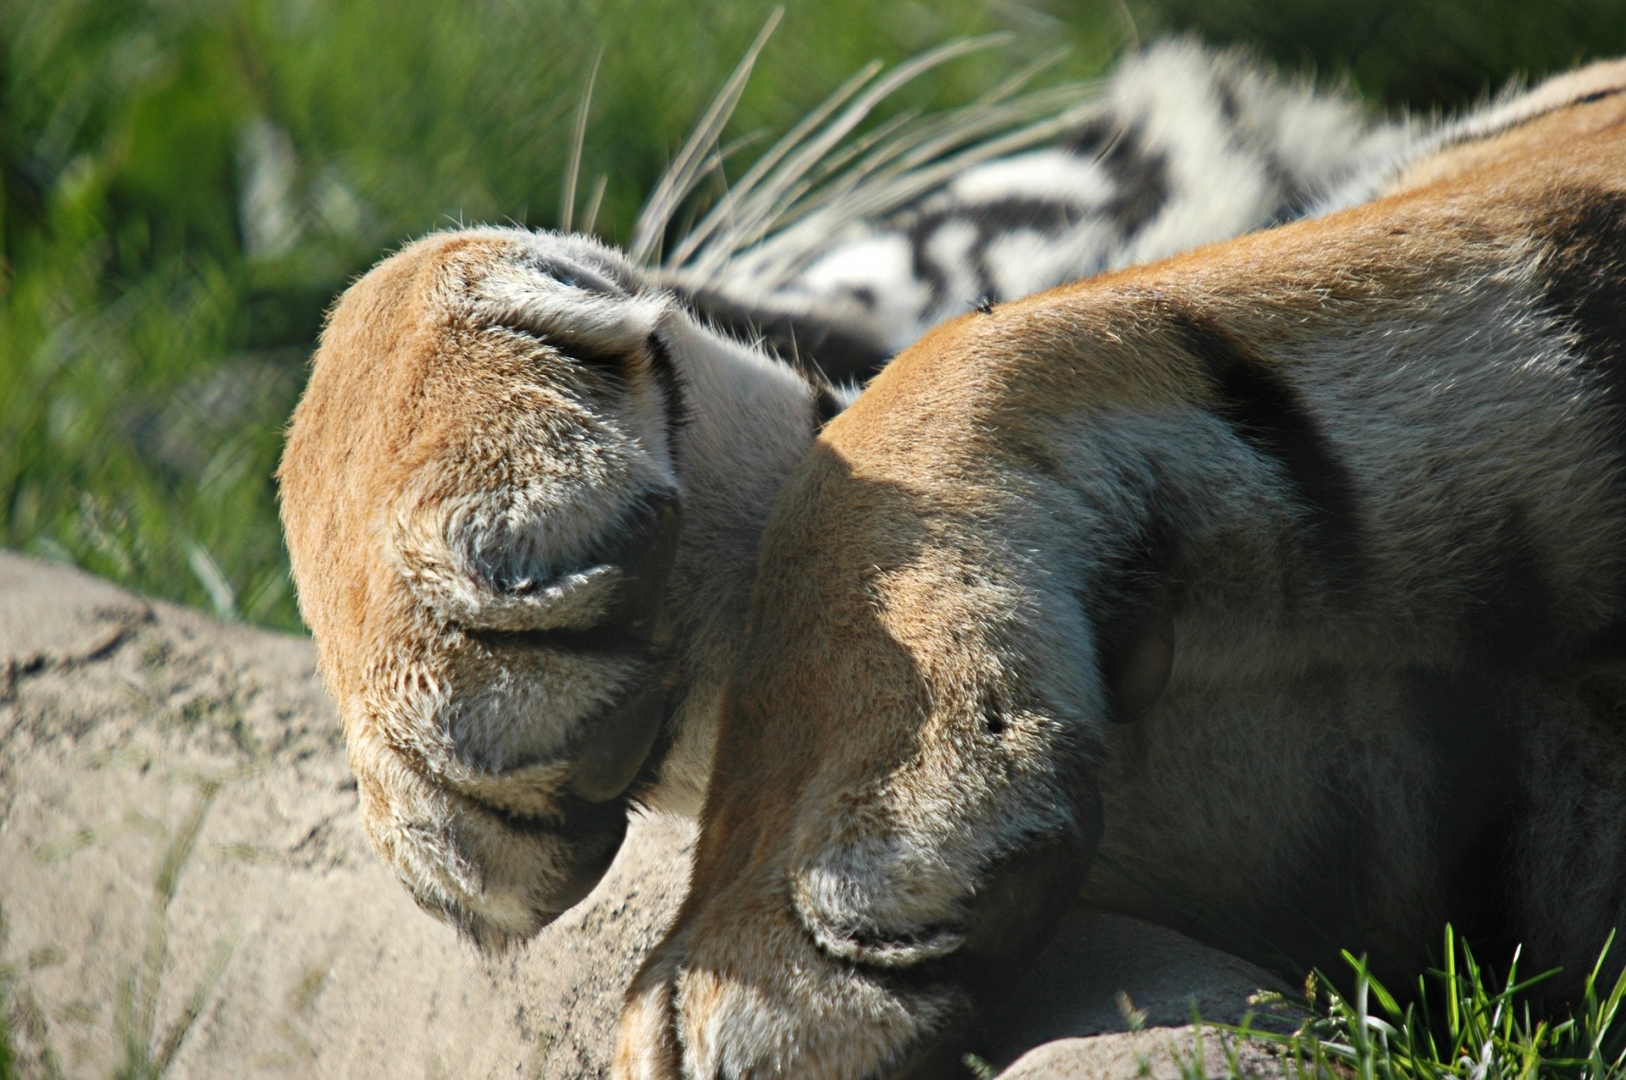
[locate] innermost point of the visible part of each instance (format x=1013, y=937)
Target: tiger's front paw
x=483, y=509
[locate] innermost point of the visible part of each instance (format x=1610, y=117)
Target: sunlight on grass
x=1466, y=1021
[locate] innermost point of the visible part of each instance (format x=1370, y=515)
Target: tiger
x=523, y=489
x=571, y=544
x=1275, y=592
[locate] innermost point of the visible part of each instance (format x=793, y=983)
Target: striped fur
x=1348, y=487
x=1186, y=145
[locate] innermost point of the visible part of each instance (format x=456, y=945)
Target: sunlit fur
x=455, y=490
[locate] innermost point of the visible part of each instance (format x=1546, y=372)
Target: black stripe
x=610, y=365
x=988, y=221
x=1586, y=286
x=666, y=373
x=598, y=641
x=1265, y=412
x=1140, y=190
x=841, y=354
x=1597, y=95
x=1486, y=134
x=1140, y=178
x=919, y=230
x=1002, y=217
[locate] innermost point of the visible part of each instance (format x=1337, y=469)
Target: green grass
x=1466, y=1022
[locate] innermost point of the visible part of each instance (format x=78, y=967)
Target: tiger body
x=1367, y=467
x=1272, y=591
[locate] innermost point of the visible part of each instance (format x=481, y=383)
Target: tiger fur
x=493, y=414
x=1275, y=592
x=1187, y=145
x=525, y=490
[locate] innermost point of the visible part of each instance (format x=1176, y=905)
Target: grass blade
x=578, y=137
x=689, y=166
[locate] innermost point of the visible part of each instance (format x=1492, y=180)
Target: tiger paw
x=521, y=496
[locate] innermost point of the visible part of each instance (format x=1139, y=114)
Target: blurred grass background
x=185, y=185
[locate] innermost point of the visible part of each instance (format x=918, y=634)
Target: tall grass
x=187, y=183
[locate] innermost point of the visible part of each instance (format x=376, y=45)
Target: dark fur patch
x=826, y=406
x=1137, y=580
x=666, y=373
x=1585, y=271
x=649, y=775
x=611, y=366
x=1475, y=801
x=1513, y=620
x=1265, y=412
x=1607, y=645
x=837, y=352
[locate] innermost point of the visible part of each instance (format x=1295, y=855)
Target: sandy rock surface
x=1152, y=1054
x=184, y=885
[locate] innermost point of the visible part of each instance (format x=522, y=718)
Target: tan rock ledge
x=184, y=883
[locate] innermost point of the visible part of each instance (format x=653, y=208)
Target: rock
x=1156, y=1053
x=1118, y=972
x=183, y=875
x=184, y=885
x=1076, y=1010
x=57, y=617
